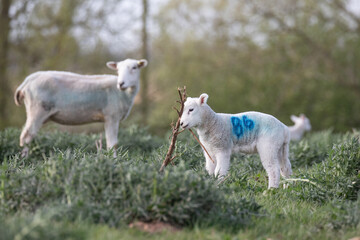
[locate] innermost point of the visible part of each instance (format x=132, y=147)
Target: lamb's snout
x=121, y=86
x=182, y=125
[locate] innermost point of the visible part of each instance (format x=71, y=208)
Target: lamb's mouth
x=121, y=86
x=185, y=126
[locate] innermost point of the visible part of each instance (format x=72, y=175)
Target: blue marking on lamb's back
x=241, y=125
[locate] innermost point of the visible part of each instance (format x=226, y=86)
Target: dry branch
x=175, y=129
x=201, y=145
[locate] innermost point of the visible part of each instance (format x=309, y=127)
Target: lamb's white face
x=301, y=121
x=192, y=114
x=307, y=124
x=128, y=72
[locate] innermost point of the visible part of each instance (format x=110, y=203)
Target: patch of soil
x=153, y=227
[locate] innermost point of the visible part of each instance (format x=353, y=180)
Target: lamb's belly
x=73, y=108
x=71, y=117
x=245, y=148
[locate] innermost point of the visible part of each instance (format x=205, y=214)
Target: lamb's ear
x=293, y=118
x=203, y=99
x=142, y=63
x=112, y=65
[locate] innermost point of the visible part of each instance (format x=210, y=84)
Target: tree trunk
x=4, y=48
x=144, y=107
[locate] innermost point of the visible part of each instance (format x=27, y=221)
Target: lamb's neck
x=298, y=129
x=127, y=100
x=210, y=122
x=131, y=92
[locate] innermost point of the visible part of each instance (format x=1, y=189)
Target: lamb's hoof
x=114, y=153
x=270, y=191
x=25, y=152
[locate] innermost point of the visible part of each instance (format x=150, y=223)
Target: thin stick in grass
x=175, y=130
x=201, y=145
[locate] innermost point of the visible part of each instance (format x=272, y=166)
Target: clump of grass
x=134, y=139
x=88, y=192
x=37, y=226
x=336, y=177
x=344, y=214
x=9, y=143
x=314, y=148
x=103, y=189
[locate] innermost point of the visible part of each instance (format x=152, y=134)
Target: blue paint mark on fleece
x=241, y=125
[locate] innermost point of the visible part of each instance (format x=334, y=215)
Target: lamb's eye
x=135, y=67
x=190, y=110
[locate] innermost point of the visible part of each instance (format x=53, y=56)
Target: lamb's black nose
x=182, y=123
x=120, y=85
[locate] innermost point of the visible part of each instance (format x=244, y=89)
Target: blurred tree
x=144, y=74
x=280, y=57
x=4, y=48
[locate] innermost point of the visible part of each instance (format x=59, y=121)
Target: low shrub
x=134, y=139
x=314, y=148
x=103, y=189
x=37, y=226
x=336, y=177
x=344, y=214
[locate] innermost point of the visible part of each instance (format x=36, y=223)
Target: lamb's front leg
x=111, y=133
x=209, y=165
x=222, y=162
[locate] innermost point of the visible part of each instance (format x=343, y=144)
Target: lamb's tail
x=19, y=93
x=18, y=96
x=285, y=165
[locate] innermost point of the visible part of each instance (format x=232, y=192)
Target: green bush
x=103, y=189
x=80, y=187
x=336, y=177
x=132, y=138
x=344, y=214
x=34, y=227
x=314, y=148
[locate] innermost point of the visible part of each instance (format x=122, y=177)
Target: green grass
x=66, y=189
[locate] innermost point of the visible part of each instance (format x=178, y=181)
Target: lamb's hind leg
x=285, y=165
x=270, y=160
x=34, y=121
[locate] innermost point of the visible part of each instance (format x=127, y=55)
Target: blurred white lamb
x=73, y=99
x=248, y=132
x=302, y=125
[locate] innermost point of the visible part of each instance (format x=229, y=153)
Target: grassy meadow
x=66, y=189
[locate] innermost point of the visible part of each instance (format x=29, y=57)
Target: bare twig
x=175, y=129
x=201, y=145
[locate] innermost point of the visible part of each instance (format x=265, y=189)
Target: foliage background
x=279, y=57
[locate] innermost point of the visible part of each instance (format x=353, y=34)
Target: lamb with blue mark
x=249, y=132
